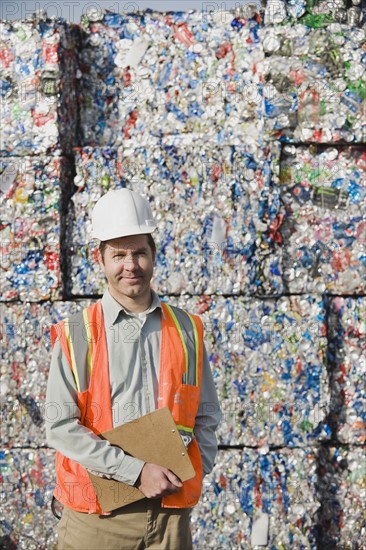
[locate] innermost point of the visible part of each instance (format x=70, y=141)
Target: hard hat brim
x=136, y=230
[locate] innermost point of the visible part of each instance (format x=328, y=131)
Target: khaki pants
x=142, y=524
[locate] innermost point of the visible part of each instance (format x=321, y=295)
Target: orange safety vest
x=181, y=355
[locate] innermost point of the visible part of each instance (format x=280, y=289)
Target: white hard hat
x=120, y=213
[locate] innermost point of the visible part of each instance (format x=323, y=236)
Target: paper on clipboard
x=153, y=438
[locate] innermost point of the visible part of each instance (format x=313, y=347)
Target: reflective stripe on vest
x=183, y=321
x=81, y=346
x=84, y=344
x=89, y=340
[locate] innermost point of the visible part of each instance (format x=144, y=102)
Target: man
x=125, y=356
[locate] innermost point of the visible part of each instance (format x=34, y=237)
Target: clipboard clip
x=187, y=437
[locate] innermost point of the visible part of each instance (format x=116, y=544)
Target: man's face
x=128, y=265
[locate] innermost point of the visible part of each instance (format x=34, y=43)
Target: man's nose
x=130, y=262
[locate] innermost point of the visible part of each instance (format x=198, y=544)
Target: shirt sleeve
x=65, y=433
x=208, y=418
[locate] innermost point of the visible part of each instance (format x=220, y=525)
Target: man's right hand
x=156, y=481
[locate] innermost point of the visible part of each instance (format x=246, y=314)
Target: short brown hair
x=150, y=242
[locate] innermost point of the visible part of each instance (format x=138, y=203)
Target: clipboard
x=154, y=438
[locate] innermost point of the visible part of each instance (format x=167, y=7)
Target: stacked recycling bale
x=38, y=133
x=319, y=245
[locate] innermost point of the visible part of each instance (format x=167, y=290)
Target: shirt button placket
x=144, y=374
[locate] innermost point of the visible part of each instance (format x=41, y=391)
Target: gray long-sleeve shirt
x=133, y=341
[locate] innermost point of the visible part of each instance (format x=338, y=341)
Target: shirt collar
x=112, y=309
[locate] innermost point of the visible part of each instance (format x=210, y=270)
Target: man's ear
x=100, y=258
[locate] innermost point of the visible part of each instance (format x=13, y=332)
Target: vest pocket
x=185, y=403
